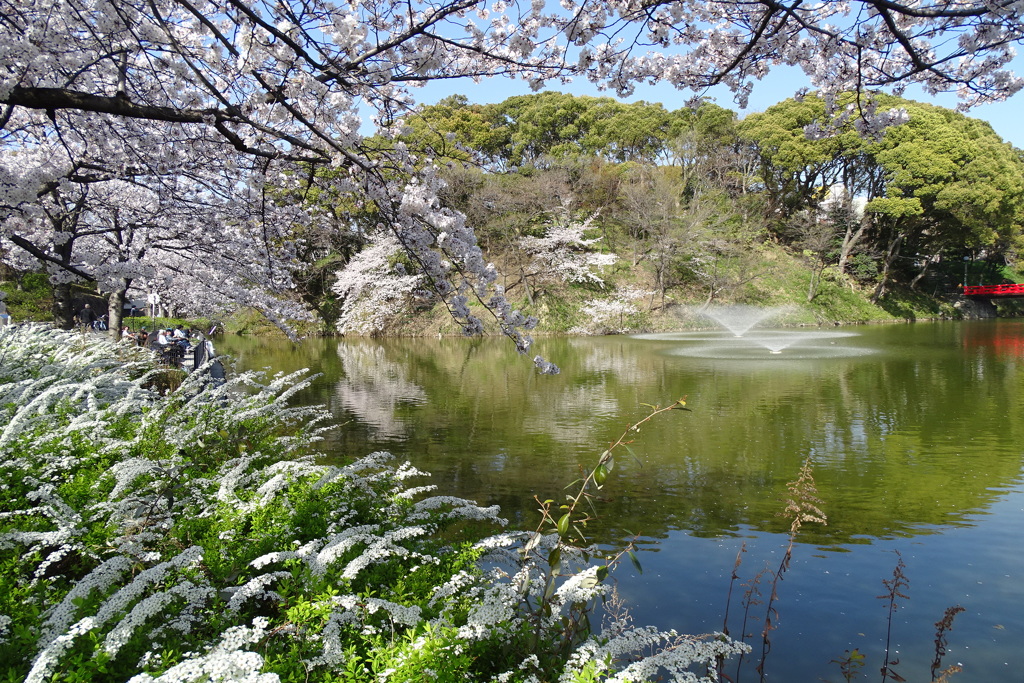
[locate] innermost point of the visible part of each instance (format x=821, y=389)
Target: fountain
x=744, y=344
x=739, y=319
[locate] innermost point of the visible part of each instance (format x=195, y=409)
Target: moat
x=916, y=433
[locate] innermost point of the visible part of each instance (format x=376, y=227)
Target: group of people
x=171, y=342
x=162, y=338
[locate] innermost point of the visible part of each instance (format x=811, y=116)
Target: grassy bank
x=630, y=301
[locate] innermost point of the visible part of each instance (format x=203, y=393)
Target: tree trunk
x=526, y=286
x=917, y=278
x=816, y=275
x=63, y=308
x=850, y=240
x=890, y=258
x=115, y=312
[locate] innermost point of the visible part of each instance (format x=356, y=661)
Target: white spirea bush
x=194, y=535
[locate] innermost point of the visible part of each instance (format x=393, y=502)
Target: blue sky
x=1005, y=117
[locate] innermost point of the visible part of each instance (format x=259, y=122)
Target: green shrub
x=192, y=536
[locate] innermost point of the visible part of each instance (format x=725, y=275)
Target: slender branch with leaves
x=567, y=522
x=571, y=585
x=569, y=516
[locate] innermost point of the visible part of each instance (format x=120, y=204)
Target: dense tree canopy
x=940, y=184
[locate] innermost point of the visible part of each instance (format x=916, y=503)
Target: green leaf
x=602, y=572
x=555, y=560
x=563, y=524
x=600, y=474
x=636, y=562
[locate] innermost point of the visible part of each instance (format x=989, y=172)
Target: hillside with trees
x=215, y=154
x=602, y=217
x=593, y=216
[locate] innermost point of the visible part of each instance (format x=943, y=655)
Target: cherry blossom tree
x=197, y=237
x=375, y=288
x=564, y=253
x=961, y=47
x=94, y=90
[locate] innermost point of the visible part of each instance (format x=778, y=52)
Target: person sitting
x=126, y=333
x=180, y=337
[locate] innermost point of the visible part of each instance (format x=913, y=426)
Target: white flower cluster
x=139, y=588
x=374, y=288
x=654, y=653
x=564, y=252
x=494, y=609
x=226, y=662
x=255, y=587
x=131, y=598
x=151, y=606
x=61, y=616
x=864, y=117
x=609, y=315
x=354, y=611
x=451, y=507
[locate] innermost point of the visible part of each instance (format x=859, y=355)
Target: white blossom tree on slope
x=92, y=90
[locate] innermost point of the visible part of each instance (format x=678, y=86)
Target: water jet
x=739, y=339
x=739, y=319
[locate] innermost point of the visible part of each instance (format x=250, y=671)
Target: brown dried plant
x=802, y=506
x=895, y=588
x=942, y=627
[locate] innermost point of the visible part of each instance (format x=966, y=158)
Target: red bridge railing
x=995, y=290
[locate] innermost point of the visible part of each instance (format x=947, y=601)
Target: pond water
x=916, y=434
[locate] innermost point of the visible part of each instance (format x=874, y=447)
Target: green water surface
x=916, y=433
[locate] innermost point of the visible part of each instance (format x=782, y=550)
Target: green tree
x=628, y=132
x=951, y=186
x=794, y=169
x=455, y=129
x=558, y=125
x=547, y=123
x=935, y=186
